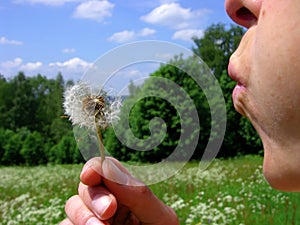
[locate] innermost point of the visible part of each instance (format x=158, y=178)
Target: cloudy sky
x=51, y=36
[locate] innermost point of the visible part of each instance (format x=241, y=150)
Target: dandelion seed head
x=87, y=109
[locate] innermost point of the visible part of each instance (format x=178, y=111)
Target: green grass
x=228, y=192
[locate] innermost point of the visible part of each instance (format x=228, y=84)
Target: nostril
x=245, y=14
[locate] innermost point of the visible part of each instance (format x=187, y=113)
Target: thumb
x=135, y=195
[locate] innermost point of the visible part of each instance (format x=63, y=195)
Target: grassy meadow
x=231, y=192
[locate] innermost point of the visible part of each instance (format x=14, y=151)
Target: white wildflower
x=228, y=198
x=87, y=109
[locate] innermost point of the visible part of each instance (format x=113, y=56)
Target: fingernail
x=101, y=203
x=113, y=173
x=85, y=167
x=93, y=221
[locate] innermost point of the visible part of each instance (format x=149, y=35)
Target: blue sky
x=51, y=36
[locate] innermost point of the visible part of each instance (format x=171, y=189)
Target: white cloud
x=71, y=69
x=146, y=32
x=68, y=50
x=173, y=15
x=4, y=40
x=188, y=34
x=45, y=2
x=94, y=10
x=126, y=35
x=122, y=37
x=12, y=67
x=31, y=66
x=74, y=64
x=11, y=64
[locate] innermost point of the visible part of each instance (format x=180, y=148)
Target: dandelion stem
x=100, y=139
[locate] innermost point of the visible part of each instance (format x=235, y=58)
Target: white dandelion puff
x=81, y=106
x=91, y=111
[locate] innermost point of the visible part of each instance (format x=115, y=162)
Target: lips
x=232, y=73
x=239, y=89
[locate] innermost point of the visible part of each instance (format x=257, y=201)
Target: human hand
x=113, y=196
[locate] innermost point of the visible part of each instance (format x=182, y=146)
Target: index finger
x=130, y=192
x=92, y=170
x=90, y=174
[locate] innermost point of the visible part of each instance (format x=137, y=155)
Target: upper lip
x=232, y=72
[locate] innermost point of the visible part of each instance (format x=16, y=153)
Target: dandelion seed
x=94, y=112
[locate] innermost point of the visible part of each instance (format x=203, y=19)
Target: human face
x=267, y=68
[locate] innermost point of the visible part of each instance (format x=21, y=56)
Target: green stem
x=100, y=139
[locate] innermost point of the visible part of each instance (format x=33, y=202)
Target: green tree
x=23, y=110
x=217, y=45
x=11, y=148
x=163, y=96
x=3, y=138
x=13, y=145
x=40, y=88
x=33, y=104
x=49, y=97
x=33, y=149
x=6, y=102
x=65, y=152
x=58, y=127
x=215, y=48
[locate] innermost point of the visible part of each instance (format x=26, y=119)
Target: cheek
x=275, y=78
x=277, y=109
x=275, y=91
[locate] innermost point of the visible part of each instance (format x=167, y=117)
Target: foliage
x=31, y=122
x=217, y=45
x=33, y=151
x=65, y=152
x=32, y=131
x=10, y=147
x=215, y=49
x=164, y=96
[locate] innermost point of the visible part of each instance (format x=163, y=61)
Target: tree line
x=32, y=131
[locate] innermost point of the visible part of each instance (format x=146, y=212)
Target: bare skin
x=267, y=67
x=135, y=204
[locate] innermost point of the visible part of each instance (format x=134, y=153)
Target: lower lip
x=237, y=98
x=237, y=91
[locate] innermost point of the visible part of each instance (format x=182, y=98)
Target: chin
x=281, y=161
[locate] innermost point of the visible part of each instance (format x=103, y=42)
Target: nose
x=243, y=12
